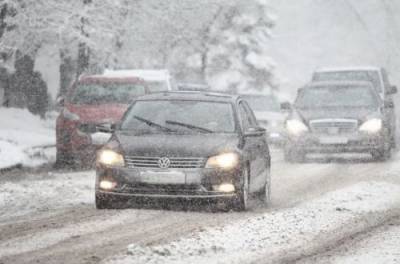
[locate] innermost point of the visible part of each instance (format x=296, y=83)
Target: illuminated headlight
x=371, y=126
x=296, y=127
x=223, y=161
x=107, y=185
x=110, y=158
x=225, y=187
x=69, y=115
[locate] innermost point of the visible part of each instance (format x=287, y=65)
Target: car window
x=101, y=93
x=250, y=114
x=370, y=76
x=244, y=116
x=337, y=96
x=179, y=116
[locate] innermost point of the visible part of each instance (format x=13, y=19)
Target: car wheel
x=241, y=202
x=384, y=153
x=63, y=159
x=104, y=202
x=265, y=194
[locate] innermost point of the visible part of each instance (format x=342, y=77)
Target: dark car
x=376, y=75
x=189, y=145
x=334, y=117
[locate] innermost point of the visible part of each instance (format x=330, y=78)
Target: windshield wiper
x=193, y=127
x=152, y=124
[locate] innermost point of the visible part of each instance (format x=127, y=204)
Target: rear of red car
x=92, y=104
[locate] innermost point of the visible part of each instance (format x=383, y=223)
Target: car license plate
x=333, y=140
x=162, y=177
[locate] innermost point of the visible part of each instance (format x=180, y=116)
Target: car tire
x=104, y=202
x=384, y=153
x=265, y=194
x=63, y=159
x=242, y=199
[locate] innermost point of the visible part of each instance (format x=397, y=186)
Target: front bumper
x=197, y=183
x=342, y=143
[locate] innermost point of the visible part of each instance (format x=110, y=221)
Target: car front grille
x=174, y=162
x=333, y=126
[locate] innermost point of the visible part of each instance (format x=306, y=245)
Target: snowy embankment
x=24, y=138
x=281, y=235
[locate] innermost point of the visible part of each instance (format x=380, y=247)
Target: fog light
x=225, y=187
x=107, y=185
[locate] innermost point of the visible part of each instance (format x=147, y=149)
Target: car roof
x=342, y=69
x=190, y=95
x=105, y=79
x=339, y=83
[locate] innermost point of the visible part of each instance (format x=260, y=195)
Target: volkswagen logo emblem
x=164, y=163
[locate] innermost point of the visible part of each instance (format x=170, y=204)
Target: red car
x=92, y=105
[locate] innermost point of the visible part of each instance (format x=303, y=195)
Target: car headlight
x=296, y=127
x=223, y=161
x=110, y=158
x=69, y=115
x=372, y=126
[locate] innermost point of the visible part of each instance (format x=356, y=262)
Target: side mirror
x=255, y=132
x=107, y=128
x=60, y=101
x=392, y=90
x=286, y=106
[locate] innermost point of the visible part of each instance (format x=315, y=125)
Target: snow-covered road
x=49, y=217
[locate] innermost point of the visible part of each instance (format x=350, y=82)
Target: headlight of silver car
x=371, y=126
x=296, y=127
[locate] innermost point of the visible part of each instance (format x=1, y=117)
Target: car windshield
x=370, y=76
x=157, y=86
x=336, y=96
x=101, y=93
x=179, y=116
x=263, y=103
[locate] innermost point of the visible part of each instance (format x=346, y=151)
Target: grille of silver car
x=153, y=162
x=333, y=126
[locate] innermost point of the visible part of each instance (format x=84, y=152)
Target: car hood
x=176, y=145
x=359, y=114
x=105, y=113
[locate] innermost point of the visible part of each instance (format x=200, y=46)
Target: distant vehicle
x=188, y=145
x=269, y=115
x=91, y=105
x=335, y=117
x=376, y=75
x=156, y=80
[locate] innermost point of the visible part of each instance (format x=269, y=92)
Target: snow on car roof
x=147, y=75
x=107, y=79
x=339, y=83
x=355, y=68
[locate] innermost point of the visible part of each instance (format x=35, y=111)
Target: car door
x=262, y=151
x=253, y=147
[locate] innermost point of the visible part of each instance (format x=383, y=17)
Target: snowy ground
x=49, y=217
x=381, y=246
x=25, y=139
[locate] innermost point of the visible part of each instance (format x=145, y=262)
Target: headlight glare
x=296, y=127
x=223, y=161
x=110, y=158
x=371, y=126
